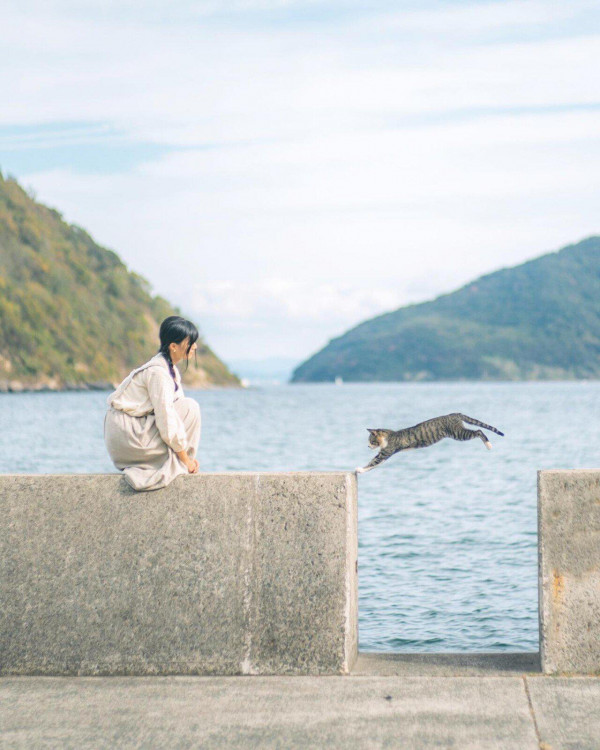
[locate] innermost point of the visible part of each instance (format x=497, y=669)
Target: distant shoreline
x=16, y=386
x=19, y=387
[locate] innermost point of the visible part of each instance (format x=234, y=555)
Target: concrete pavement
x=411, y=701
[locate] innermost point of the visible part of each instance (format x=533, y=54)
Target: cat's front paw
x=360, y=470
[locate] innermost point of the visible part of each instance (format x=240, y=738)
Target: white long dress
x=148, y=422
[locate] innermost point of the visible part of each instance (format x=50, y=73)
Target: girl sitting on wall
x=151, y=430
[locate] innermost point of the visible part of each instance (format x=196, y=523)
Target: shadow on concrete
x=384, y=664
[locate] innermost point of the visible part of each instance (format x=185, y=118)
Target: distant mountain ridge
x=71, y=314
x=536, y=321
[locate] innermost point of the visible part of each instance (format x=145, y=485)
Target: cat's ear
x=370, y=430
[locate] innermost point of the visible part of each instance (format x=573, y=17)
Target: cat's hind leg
x=464, y=434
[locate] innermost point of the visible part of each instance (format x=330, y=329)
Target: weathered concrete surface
x=446, y=665
x=569, y=571
x=567, y=712
x=216, y=574
x=466, y=713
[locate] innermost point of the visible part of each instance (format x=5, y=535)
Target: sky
x=282, y=170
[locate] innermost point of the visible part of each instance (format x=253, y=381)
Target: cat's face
x=377, y=439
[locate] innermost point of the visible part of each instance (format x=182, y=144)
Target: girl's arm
x=169, y=423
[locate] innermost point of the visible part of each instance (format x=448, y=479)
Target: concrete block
x=216, y=574
x=569, y=571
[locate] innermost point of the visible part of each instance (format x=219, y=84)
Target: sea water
x=447, y=534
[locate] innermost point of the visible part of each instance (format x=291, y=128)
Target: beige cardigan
x=150, y=389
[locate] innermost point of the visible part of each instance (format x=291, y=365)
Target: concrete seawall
x=569, y=570
x=217, y=574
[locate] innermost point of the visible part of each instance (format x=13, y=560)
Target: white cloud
x=290, y=300
x=288, y=314
x=193, y=84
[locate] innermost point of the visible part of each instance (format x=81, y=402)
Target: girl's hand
x=193, y=466
x=190, y=463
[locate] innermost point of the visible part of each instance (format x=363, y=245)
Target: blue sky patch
x=86, y=148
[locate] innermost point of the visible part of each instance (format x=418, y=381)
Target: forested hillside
x=539, y=320
x=71, y=313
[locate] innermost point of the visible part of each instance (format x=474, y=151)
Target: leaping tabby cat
x=424, y=434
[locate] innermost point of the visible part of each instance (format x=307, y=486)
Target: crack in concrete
x=541, y=745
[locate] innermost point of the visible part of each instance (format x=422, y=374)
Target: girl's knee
x=189, y=410
x=192, y=404
x=188, y=404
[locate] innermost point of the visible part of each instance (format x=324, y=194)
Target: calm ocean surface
x=447, y=535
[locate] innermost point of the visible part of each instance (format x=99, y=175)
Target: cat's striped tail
x=470, y=420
